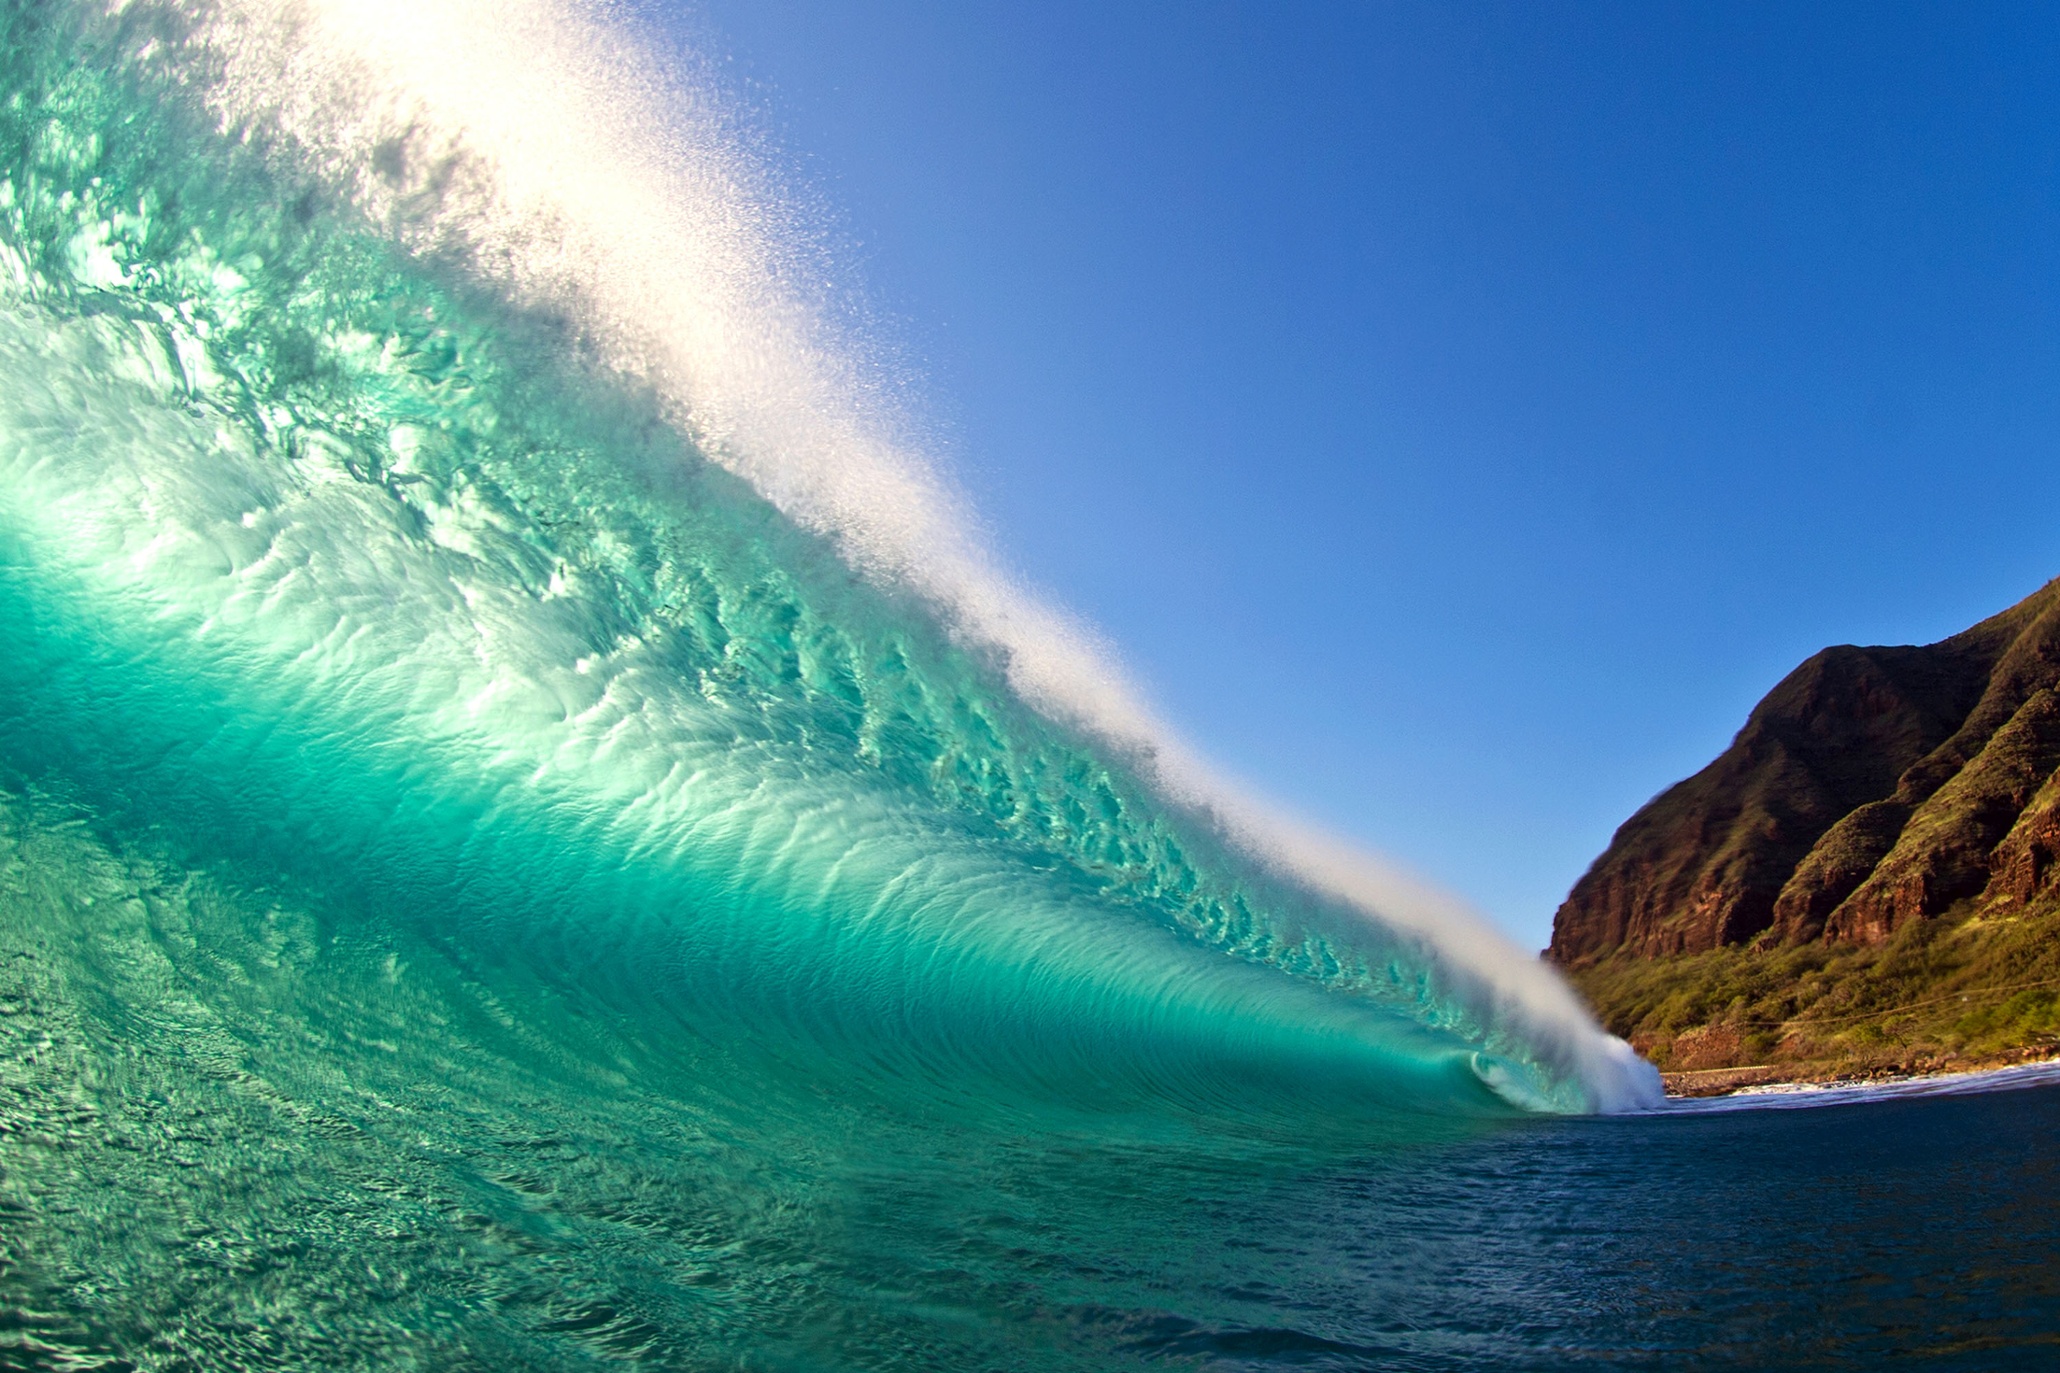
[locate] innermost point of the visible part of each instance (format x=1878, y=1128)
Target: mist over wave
x=537, y=143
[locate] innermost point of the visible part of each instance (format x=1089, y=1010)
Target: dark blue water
x=1916, y=1233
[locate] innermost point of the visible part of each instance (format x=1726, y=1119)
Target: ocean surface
x=533, y=836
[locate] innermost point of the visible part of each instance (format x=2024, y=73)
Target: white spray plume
x=543, y=142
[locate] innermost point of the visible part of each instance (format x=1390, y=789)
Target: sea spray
x=538, y=142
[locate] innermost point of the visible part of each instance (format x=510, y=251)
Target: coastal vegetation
x=1964, y=990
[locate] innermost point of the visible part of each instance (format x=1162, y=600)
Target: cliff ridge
x=1872, y=787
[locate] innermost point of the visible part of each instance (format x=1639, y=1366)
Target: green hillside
x=1961, y=990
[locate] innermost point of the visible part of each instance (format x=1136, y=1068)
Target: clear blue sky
x=1461, y=414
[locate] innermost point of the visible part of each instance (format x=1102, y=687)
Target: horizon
x=1346, y=368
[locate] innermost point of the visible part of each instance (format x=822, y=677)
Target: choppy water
x=531, y=836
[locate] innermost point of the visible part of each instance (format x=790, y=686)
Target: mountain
x=1872, y=787
x=1880, y=839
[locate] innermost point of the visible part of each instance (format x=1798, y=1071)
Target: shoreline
x=1809, y=1079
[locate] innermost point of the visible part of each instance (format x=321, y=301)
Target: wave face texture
x=528, y=836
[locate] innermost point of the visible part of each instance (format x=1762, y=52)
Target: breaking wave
x=486, y=660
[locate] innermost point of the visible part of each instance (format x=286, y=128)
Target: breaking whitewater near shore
x=2025, y=1067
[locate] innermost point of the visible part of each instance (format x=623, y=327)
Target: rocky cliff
x=1871, y=788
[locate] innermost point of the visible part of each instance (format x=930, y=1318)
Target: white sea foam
x=543, y=142
x=1798, y=1095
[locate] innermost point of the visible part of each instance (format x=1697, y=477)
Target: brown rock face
x=2024, y=864
x=1943, y=853
x=1871, y=787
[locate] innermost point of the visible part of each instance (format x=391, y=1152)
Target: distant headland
x=1864, y=883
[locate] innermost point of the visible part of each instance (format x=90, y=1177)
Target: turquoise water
x=491, y=873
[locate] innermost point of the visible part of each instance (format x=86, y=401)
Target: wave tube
x=427, y=497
